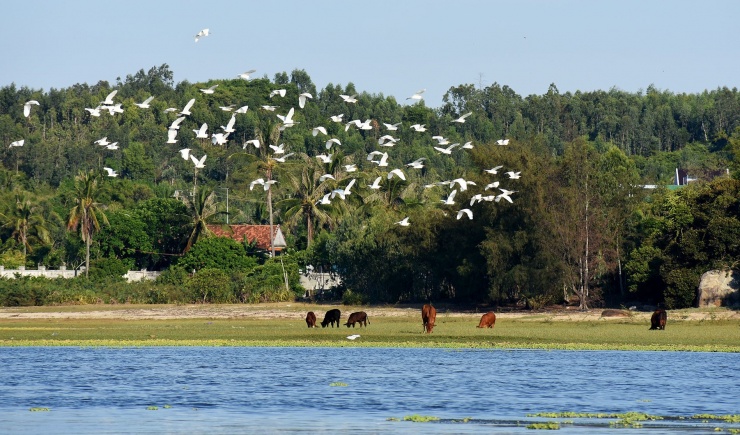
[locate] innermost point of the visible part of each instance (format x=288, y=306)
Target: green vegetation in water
x=550, y=425
x=338, y=384
x=167, y=406
x=416, y=418
x=39, y=409
x=730, y=418
x=152, y=408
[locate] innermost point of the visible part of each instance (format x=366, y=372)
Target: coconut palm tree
x=87, y=212
x=26, y=222
x=203, y=206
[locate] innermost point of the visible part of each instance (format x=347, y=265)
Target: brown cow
x=358, y=317
x=658, y=319
x=487, y=320
x=311, y=319
x=428, y=316
x=330, y=317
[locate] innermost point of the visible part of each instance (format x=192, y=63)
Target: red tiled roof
x=260, y=233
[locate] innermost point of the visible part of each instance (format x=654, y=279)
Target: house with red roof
x=259, y=234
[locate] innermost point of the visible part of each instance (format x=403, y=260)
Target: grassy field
x=387, y=329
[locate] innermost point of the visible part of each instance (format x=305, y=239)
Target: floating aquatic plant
x=152, y=408
x=550, y=425
x=338, y=384
x=37, y=409
x=416, y=418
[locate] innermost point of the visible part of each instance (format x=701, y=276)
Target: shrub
x=352, y=298
x=210, y=285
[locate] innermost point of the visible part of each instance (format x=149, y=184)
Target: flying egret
x=109, y=99
x=228, y=108
x=465, y=211
x=478, y=197
x=186, y=109
x=27, y=107
x=260, y=181
x=326, y=177
x=417, y=96
x=502, y=142
x=199, y=164
x=210, y=90
x=280, y=92
x=230, y=125
x=447, y=150
x=376, y=184
x=391, y=127
x=332, y=141
x=245, y=75
x=112, y=110
x=269, y=108
x=18, y=143
x=94, y=112
x=350, y=168
x=316, y=130
x=514, y=175
x=242, y=109
x=111, y=172
x=170, y=109
x=255, y=142
x=397, y=172
x=441, y=140
x=337, y=118
x=383, y=158
x=467, y=145
x=278, y=149
x=403, y=222
x=387, y=140
x=283, y=158
x=417, y=164
x=185, y=153
x=349, y=98
x=324, y=158
x=492, y=185
x=494, y=170
x=353, y=336
x=102, y=142
x=302, y=99
x=220, y=138
x=113, y=146
x=325, y=199
x=145, y=104
x=288, y=118
x=462, y=118
x=344, y=192
x=419, y=127
x=176, y=123
x=171, y=135
x=462, y=183
x=202, y=34
x=450, y=198
x=201, y=133
x=505, y=194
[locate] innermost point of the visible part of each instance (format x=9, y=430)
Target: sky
x=394, y=48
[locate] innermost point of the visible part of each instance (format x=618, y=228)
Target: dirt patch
x=299, y=310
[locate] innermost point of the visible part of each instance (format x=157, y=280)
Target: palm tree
x=87, y=213
x=26, y=222
x=309, y=190
x=203, y=208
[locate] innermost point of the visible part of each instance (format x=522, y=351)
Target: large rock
x=719, y=288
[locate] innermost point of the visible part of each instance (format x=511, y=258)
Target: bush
x=351, y=298
x=210, y=286
x=109, y=268
x=217, y=253
x=681, y=288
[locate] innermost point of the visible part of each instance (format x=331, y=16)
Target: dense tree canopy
x=579, y=226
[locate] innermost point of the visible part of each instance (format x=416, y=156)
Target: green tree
x=87, y=212
x=26, y=223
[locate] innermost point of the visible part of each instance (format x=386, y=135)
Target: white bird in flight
x=343, y=193
x=350, y=168
x=462, y=118
x=326, y=177
x=94, y=112
x=320, y=129
x=302, y=99
x=283, y=158
x=502, y=142
x=278, y=149
x=387, y=140
x=494, y=170
x=324, y=158
x=349, y=98
x=376, y=184
x=467, y=145
x=337, y=118
x=199, y=164
x=18, y=143
x=465, y=211
x=27, y=107
x=417, y=96
x=176, y=123
x=325, y=199
x=145, y=104
x=255, y=142
x=417, y=164
x=230, y=125
x=111, y=172
x=171, y=135
x=185, y=153
x=505, y=194
x=202, y=34
x=391, y=127
x=492, y=185
x=447, y=150
x=397, y=172
x=201, y=133
x=383, y=158
x=353, y=336
x=332, y=141
x=260, y=181
x=245, y=75
x=103, y=141
x=113, y=146
x=228, y=108
x=186, y=109
x=280, y=92
x=462, y=183
x=403, y=222
x=269, y=108
x=450, y=198
x=210, y=90
x=419, y=127
x=242, y=109
x=514, y=175
x=109, y=99
x=220, y=138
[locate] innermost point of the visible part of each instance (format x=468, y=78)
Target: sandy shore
x=298, y=310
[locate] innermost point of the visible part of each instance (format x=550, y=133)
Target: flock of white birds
x=280, y=154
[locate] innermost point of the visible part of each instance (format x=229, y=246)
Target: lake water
x=289, y=390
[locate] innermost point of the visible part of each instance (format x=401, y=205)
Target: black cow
x=358, y=317
x=330, y=317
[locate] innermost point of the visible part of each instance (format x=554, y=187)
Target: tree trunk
x=87, y=256
x=309, y=225
x=269, y=210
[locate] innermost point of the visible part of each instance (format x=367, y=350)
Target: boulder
x=615, y=313
x=719, y=288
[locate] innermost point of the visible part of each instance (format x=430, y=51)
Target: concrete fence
x=63, y=272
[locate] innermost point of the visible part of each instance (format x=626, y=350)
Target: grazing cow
x=330, y=317
x=428, y=316
x=358, y=317
x=311, y=319
x=488, y=320
x=658, y=319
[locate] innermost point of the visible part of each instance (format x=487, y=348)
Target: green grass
x=532, y=332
